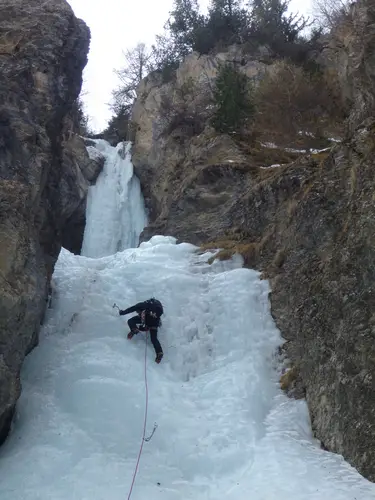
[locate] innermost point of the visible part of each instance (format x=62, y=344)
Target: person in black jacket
x=148, y=318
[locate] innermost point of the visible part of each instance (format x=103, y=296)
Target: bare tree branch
x=135, y=69
x=329, y=13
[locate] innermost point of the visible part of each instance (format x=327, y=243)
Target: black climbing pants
x=135, y=323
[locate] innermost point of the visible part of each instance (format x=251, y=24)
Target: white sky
x=115, y=26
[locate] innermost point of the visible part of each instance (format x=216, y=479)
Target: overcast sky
x=115, y=26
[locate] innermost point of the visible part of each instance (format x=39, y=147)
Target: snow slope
x=224, y=429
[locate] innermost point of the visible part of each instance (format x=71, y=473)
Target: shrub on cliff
x=79, y=118
x=233, y=99
x=291, y=101
x=164, y=58
x=118, y=129
x=118, y=126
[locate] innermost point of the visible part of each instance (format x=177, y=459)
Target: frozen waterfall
x=115, y=214
x=225, y=430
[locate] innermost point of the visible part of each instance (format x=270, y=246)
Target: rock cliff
x=81, y=167
x=170, y=148
x=308, y=224
x=43, y=49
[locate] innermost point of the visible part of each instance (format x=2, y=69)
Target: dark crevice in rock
x=5, y=423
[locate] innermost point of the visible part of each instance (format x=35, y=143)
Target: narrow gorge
x=303, y=216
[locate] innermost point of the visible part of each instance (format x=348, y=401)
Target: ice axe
x=115, y=305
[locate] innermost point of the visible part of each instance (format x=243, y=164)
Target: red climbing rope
x=144, y=425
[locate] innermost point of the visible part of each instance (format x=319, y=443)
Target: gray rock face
x=350, y=51
x=162, y=159
x=43, y=49
x=81, y=168
x=359, y=39
x=313, y=223
x=309, y=226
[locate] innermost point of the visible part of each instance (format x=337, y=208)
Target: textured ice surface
x=225, y=430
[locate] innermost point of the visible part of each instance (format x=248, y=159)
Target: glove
x=121, y=312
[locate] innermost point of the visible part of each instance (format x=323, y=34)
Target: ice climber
x=148, y=319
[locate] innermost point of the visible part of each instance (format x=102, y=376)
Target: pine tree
x=165, y=57
x=272, y=24
x=182, y=33
x=228, y=21
x=226, y=7
x=233, y=98
x=183, y=24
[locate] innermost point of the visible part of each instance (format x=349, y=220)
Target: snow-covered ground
x=224, y=428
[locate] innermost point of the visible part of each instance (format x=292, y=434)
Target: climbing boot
x=159, y=357
x=132, y=333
